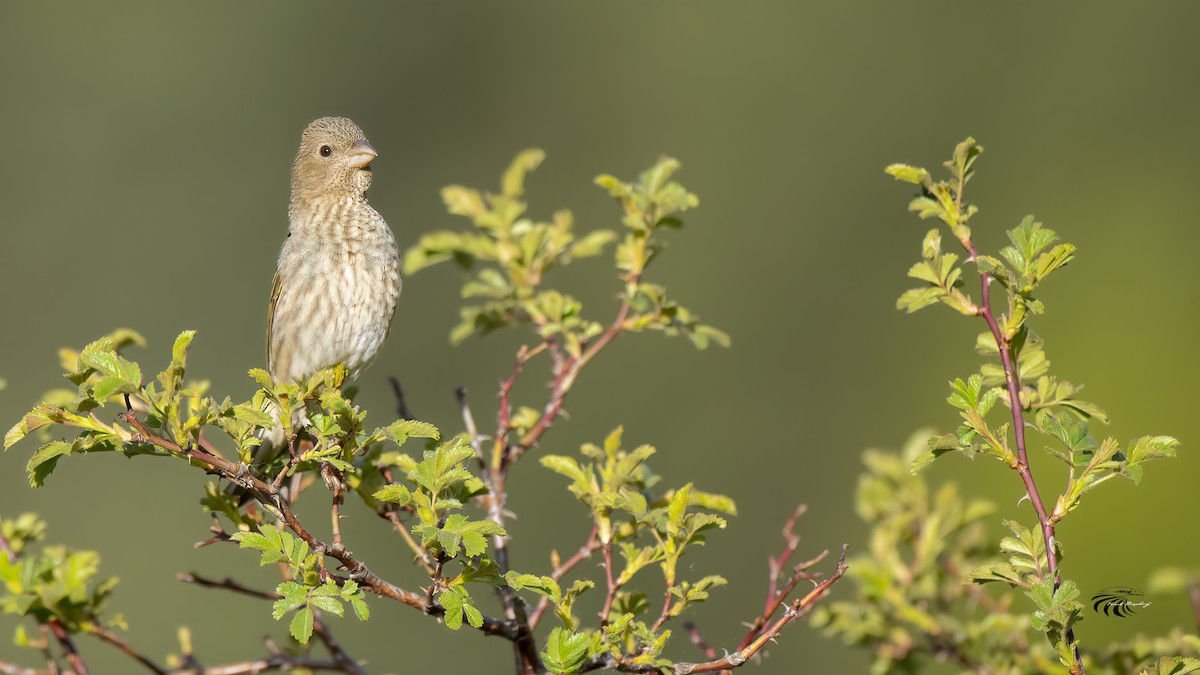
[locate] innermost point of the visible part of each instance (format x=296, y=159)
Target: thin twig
x=282, y=509
x=333, y=481
x=343, y=660
x=7, y=549
x=68, y=645
x=421, y=555
x=698, y=640
x=112, y=639
x=14, y=669
x=1013, y=380
x=610, y=584
x=339, y=655
x=775, y=565
x=565, y=379
x=435, y=581
x=401, y=403
x=469, y=422
x=795, y=610
x=278, y=662
x=584, y=552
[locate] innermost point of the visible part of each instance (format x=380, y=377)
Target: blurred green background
x=144, y=184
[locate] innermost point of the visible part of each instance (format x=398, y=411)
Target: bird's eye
x=326, y=151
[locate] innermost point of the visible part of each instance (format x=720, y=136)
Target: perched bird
x=338, y=275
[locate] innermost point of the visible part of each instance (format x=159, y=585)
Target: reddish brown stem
x=795, y=610
x=584, y=552
x=114, y=640
x=68, y=645
x=7, y=549
x=610, y=584
x=1012, y=376
x=282, y=510
x=565, y=378
x=699, y=641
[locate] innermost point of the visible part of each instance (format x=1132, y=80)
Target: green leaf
x=329, y=604
x=563, y=465
x=302, y=625
x=566, y=651
x=908, y=174
x=458, y=605
x=394, y=494
x=359, y=605
x=44, y=460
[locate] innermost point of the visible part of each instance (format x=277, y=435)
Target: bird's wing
x=276, y=287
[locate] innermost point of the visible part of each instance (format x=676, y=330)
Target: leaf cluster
x=647, y=528
x=51, y=583
x=307, y=587
x=508, y=256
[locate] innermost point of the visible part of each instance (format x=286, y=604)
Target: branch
x=1013, y=378
x=276, y=662
x=698, y=640
x=14, y=669
x=585, y=551
x=344, y=661
x=566, y=379
x=401, y=405
x=260, y=491
x=339, y=655
x=68, y=645
x=775, y=597
x=7, y=549
x=794, y=611
x=112, y=639
x=469, y=424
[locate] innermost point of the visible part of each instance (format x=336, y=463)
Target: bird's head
x=334, y=161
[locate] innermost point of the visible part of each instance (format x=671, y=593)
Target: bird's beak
x=361, y=154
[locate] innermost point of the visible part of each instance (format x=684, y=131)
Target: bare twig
x=584, y=552
x=226, y=584
x=435, y=581
x=111, y=638
x=333, y=480
x=698, y=640
x=795, y=610
x=401, y=404
x=611, y=586
x=277, y=662
x=339, y=655
x=421, y=555
x=472, y=431
x=341, y=659
x=665, y=613
x=14, y=669
x=68, y=645
x=775, y=565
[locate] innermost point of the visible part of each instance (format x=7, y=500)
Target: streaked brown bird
x=338, y=276
x=339, y=271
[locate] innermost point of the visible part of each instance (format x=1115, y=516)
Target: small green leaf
x=302, y=625
x=908, y=174
x=394, y=494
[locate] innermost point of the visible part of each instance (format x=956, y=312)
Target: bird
x=337, y=280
